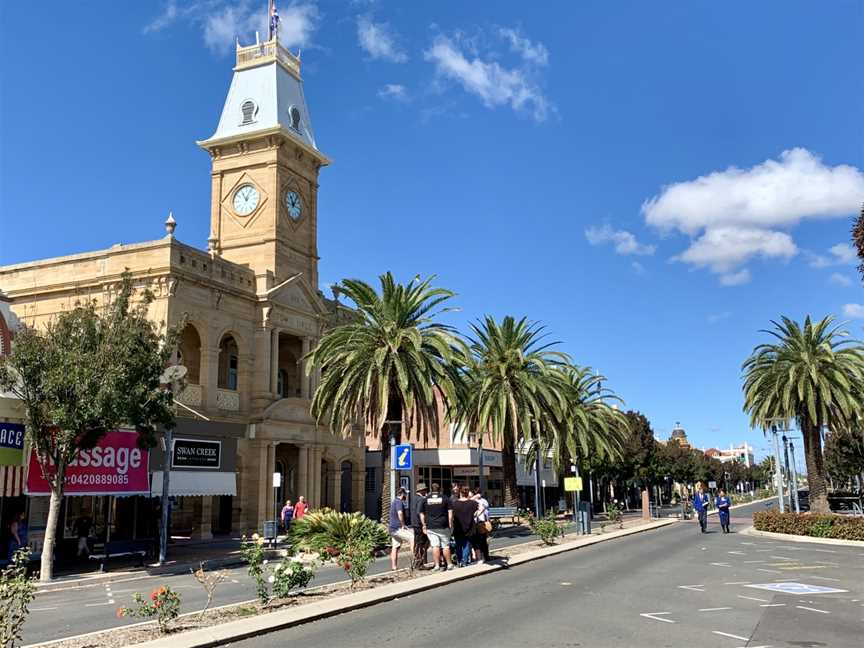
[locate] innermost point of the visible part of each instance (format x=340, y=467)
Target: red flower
x=121, y=613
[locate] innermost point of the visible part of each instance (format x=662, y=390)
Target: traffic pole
x=778, y=475
x=794, y=478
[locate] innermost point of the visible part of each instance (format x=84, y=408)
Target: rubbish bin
x=271, y=529
x=585, y=518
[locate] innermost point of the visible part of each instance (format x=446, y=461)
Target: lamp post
x=794, y=476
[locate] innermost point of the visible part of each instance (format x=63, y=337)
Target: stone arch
x=189, y=351
x=229, y=361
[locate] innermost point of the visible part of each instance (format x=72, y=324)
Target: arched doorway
x=346, y=487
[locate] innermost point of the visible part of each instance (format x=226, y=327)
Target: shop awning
x=188, y=482
x=11, y=481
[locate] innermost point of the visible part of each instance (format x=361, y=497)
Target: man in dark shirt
x=399, y=532
x=421, y=542
x=436, y=515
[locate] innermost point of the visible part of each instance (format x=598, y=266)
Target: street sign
x=797, y=588
x=277, y=479
x=404, y=456
x=572, y=484
x=712, y=484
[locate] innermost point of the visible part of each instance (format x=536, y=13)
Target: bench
x=122, y=549
x=499, y=513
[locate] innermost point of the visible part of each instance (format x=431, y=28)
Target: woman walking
x=463, y=525
x=723, y=503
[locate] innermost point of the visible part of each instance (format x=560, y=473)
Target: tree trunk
x=815, y=467
x=508, y=467
x=646, y=503
x=46, y=570
x=385, y=477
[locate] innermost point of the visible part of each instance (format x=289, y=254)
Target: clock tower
x=264, y=207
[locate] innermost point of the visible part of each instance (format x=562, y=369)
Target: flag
x=274, y=20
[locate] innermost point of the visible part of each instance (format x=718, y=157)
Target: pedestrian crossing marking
x=797, y=588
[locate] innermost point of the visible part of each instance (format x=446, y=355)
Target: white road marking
x=773, y=605
x=714, y=609
x=694, y=588
x=770, y=571
x=43, y=609
x=726, y=634
x=802, y=607
x=753, y=562
x=721, y=564
x=753, y=598
x=566, y=583
x=763, y=550
x=738, y=583
x=765, y=646
x=836, y=580
x=737, y=553
x=753, y=543
x=657, y=616
x=781, y=557
x=98, y=604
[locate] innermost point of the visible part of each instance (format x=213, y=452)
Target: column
x=337, y=488
x=274, y=361
x=315, y=473
x=305, y=381
x=303, y=472
x=209, y=375
x=263, y=456
x=205, y=523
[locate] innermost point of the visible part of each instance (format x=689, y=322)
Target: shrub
x=546, y=527
x=17, y=591
x=291, y=573
x=349, y=539
x=209, y=581
x=807, y=524
x=614, y=514
x=163, y=603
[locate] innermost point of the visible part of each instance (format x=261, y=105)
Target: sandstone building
x=254, y=309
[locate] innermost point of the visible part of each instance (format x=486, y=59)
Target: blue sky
x=652, y=181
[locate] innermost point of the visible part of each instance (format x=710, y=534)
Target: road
x=673, y=588
x=70, y=612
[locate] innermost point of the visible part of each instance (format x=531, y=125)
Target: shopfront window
x=442, y=475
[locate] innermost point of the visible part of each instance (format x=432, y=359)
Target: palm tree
x=812, y=374
x=390, y=363
x=513, y=391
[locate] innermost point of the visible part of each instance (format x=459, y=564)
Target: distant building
x=679, y=435
x=743, y=454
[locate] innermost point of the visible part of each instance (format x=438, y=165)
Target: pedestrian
x=463, y=526
x=83, y=526
x=399, y=531
x=482, y=527
x=421, y=541
x=301, y=508
x=436, y=516
x=17, y=534
x=287, y=515
x=701, y=502
x=723, y=503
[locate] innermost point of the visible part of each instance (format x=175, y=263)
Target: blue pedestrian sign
x=404, y=457
x=797, y=588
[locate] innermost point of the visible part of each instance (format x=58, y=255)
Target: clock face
x=246, y=199
x=293, y=204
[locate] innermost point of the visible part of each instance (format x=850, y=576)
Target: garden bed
x=838, y=527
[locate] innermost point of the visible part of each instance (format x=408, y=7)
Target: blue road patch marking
x=797, y=588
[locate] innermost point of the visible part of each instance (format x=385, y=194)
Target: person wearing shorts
x=436, y=515
x=399, y=531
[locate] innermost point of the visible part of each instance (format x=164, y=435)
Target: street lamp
x=778, y=474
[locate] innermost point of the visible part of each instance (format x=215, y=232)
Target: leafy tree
x=391, y=361
x=858, y=239
x=639, y=457
x=844, y=454
x=90, y=370
x=809, y=374
x=513, y=389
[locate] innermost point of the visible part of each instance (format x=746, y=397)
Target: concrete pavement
x=672, y=588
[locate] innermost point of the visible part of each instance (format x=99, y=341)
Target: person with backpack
x=436, y=516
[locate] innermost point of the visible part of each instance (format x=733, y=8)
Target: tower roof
x=266, y=96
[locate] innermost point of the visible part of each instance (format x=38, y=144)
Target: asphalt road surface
x=71, y=612
x=673, y=588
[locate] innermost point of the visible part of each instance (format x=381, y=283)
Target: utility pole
x=538, y=497
x=794, y=477
x=778, y=474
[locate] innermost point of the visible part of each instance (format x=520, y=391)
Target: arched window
x=189, y=354
x=229, y=361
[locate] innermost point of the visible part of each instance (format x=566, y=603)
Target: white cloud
x=222, y=21
x=378, y=41
x=531, y=52
x=840, y=254
x=624, y=242
x=735, y=278
x=722, y=249
x=738, y=214
x=855, y=311
x=713, y=318
x=839, y=280
x=638, y=268
x=394, y=91
x=495, y=84
x=775, y=193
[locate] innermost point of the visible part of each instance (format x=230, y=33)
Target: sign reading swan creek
x=196, y=453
